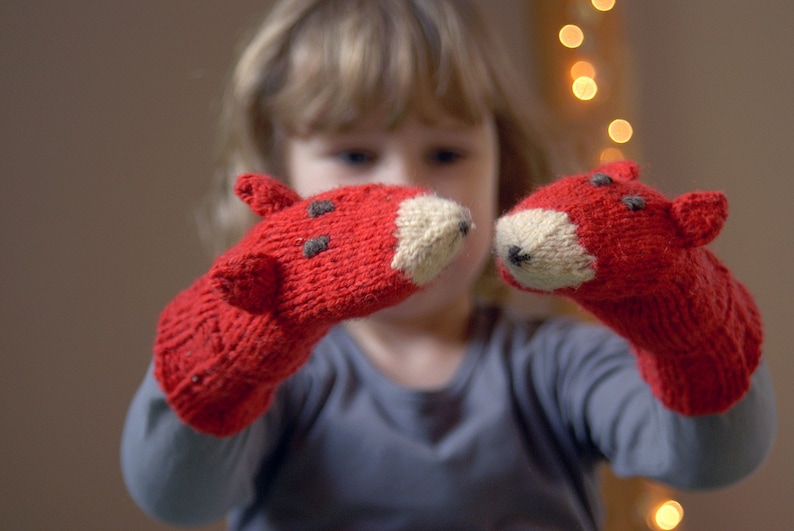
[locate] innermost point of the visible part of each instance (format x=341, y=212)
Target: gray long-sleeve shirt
x=512, y=442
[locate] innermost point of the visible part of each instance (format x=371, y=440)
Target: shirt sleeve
x=589, y=380
x=184, y=477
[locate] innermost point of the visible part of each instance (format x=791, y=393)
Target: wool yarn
x=224, y=344
x=636, y=260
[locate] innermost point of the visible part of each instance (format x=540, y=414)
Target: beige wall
x=715, y=110
x=106, y=119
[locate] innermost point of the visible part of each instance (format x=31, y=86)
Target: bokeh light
x=585, y=88
x=668, y=515
x=610, y=154
x=583, y=68
x=571, y=36
x=620, y=131
x=603, y=5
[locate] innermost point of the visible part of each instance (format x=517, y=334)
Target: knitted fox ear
x=264, y=194
x=248, y=281
x=699, y=216
x=621, y=170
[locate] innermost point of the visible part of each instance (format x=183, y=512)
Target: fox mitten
x=636, y=260
x=224, y=344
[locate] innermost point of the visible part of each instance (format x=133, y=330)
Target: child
x=438, y=412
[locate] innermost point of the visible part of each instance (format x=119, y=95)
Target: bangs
x=380, y=60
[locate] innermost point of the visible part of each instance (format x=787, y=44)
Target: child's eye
x=445, y=156
x=356, y=157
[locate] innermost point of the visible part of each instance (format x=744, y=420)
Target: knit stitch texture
x=225, y=343
x=636, y=260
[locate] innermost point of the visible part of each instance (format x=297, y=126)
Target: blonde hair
x=323, y=65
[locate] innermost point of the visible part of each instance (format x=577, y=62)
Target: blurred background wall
x=107, y=113
x=714, y=98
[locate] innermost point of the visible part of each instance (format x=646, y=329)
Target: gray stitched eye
x=600, y=179
x=634, y=202
x=315, y=246
x=318, y=208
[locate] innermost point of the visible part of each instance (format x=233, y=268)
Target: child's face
x=457, y=161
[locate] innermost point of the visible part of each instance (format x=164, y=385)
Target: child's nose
x=406, y=171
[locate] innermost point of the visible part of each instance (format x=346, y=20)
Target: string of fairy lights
x=580, y=36
x=592, y=51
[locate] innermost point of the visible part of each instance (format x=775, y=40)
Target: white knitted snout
x=430, y=233
x=541, y=251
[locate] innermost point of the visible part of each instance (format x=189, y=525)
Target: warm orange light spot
x=571, y=36
x=582, y=68
x=610, y=154
x=668, y=515
x=620, y=131
x=603, y=5
x=584, y=88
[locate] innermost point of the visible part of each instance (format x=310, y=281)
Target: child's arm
x=636, y=261
x=588, y=383
x=185, y=477
x=224, y=344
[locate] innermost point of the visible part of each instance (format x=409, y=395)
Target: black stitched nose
x=516, y=257
x=464, y=227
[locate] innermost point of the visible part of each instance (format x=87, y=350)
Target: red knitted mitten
x=225, y=343
x=637, y=261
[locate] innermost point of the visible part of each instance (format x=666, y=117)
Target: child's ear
x=264, y=194
x=248, y=281
x=699, y=216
